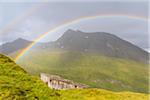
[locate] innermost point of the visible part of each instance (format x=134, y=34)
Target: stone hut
x=57, y=82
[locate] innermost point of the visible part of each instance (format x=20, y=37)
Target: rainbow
x=21, y=18
x=24, y=51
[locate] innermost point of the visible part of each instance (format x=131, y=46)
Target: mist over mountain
x=78, y=41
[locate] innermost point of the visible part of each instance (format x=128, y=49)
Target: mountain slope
x=102, y=43
x=16, y=84
x=16, y=45
x=92, y=69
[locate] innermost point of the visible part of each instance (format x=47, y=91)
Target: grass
x=99, y=94
x=16, y=84
x=94, y=70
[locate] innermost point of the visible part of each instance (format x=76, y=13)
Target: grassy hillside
x=16, y=84
x=99, y=94
x=94, y=70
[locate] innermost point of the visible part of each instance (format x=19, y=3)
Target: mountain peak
x=70, y=30
x=73, y=31
x=20, y=39
x=15, y=45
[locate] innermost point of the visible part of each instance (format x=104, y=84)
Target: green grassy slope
x=16, y=84
x=99, y=94
x=94, y=70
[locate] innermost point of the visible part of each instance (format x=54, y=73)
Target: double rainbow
x=75, y=21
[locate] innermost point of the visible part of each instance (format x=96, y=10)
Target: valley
x=15, y=83
x=95, y=70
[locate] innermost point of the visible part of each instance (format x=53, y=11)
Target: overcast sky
x=29, y=20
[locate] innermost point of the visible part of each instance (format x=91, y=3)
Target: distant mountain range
x=14, y=46
x=78, y=41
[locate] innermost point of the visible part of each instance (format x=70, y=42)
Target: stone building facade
x=57, y=82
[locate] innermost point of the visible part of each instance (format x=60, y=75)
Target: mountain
x=95, y=42
x=98, y=59
x=102, y=43
x=17, y=84
x=14, y=46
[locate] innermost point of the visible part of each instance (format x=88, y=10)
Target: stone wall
x=57, y=82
